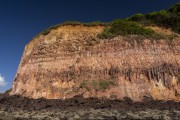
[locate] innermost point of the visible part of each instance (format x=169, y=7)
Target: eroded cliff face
x=72, y=60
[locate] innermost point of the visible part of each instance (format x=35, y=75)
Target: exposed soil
x=17, y=107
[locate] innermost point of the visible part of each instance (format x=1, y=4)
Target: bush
x=106, y=34
x=125, y=27
x=161, y=18
x=177, y=27
x=175, y=8
x=103, y=85
x=97, y=85
x=164, y=18
x=83, y=84
x=137, y=17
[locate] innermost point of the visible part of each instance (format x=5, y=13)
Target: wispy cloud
x=2, y=81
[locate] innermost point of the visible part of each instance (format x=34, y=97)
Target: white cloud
x=2, y=81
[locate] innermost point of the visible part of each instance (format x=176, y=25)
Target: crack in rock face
x=72, y=60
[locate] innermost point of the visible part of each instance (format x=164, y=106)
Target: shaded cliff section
x=72, y=60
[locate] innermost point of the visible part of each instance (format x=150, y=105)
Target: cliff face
x=72, y=60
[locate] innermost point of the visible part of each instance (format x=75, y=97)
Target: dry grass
x=161, y=30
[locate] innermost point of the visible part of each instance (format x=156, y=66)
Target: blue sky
x=21, y=20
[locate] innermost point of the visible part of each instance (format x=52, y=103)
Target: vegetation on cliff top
x=125, y=27
x=164, y=18
x=135, y=24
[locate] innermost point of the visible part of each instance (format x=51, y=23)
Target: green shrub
x=83, y=84
x=161, y=18
x=177, y=27
x=106, y=34
x=97, y=85
x=175, y=8
x=125, y=27
x=137, y=17
x=103, y=85
x=164, y=18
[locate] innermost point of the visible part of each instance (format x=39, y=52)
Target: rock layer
x=72, y=60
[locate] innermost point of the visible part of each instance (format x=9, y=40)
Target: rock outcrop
x=72, y=60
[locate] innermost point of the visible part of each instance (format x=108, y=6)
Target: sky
x=21, y=20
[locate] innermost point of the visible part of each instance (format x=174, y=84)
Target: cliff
x=71, y=60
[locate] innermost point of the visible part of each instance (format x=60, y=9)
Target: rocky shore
x=102, y=114
x=20, y=108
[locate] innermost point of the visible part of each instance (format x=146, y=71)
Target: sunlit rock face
x=72, y=60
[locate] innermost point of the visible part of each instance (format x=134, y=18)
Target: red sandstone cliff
x=72, y=60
